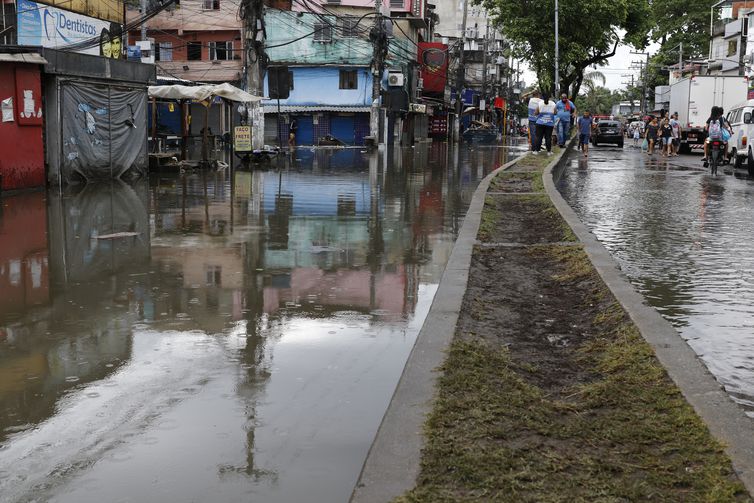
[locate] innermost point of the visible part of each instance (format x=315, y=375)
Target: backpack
x=715, y=130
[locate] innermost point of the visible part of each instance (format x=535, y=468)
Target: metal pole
x=377, y=71
x=680, y=61
x=556, y=84
x=484, y=69
x=460, y=77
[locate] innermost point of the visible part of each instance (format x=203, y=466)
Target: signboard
x=42, y=25
x=242, y=138
x=433, y=58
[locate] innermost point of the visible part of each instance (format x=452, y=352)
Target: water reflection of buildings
x=329, y=232
x=54, y=332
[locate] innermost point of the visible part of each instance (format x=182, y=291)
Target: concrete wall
x=320, y=86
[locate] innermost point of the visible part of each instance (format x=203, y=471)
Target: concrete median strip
x=725, y=420
x=493, y=408
x=393, y=462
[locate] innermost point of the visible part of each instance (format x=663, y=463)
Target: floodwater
x=684, y=239
x=227, y=336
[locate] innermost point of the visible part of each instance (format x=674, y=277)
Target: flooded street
x=227, y=336
x=684, y=239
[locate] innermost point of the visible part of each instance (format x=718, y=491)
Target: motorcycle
x=716, y=155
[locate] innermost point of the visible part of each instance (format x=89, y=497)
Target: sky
x=617, y=66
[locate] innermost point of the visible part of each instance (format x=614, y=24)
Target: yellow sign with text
x=242, y=139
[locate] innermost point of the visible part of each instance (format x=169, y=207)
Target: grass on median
x=622, y=431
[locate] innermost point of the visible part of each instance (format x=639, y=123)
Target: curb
x=725, y=420
x=394, y=459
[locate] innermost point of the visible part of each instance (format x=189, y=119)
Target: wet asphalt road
x=685, y=239
x=229, y=337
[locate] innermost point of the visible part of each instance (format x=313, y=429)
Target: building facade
x=200, y=40
x=327, y=50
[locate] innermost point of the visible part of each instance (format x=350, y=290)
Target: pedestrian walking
x=545, y=122
x=637, y=136
x=585, y=132
x=666, y=133
x=565, y=111
x=533, y=106
x=675, y=124
x=292, y=128
x=651, y=135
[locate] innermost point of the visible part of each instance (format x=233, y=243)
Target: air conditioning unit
x=395, y=79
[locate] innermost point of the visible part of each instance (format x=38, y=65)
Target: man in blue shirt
x=585, y=131
x=565, y=109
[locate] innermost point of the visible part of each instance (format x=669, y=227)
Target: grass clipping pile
x=549, y=393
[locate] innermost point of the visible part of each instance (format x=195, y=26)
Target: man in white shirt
x=534, y=102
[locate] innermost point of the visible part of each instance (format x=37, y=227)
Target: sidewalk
x=549, y=392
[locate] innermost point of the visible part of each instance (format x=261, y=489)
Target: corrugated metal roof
x=271, y=108
x=25, y=57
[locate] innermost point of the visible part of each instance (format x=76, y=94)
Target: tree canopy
x=591, y=30
x=589, y=34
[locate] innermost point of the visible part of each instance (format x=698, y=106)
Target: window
x=732, y=47
x=213, y=273
x=163, y=51
x=349, y=27
x=194, y=51
x=397, y=3
x=349, y=79
x=220, y=51
x=210, y=4
x=322, y=32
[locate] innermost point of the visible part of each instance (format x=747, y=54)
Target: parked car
x=741, y=119
x=607, y=131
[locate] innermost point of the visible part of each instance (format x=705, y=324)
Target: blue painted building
x=329, y=60
x=324, y=100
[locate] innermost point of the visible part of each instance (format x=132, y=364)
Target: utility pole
x=643, y=67
x=253, y=13
x=460, y=77
x=143, y=6
x=484, y=67
x=557, y=51
x=378, y=67
x=629, y=85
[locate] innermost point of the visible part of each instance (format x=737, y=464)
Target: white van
x=741, y=119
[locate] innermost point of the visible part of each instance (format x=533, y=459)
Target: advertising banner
x=433, y=58
x=42, y=25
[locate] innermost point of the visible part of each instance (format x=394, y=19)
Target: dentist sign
x=42, y=25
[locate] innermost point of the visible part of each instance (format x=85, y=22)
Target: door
x=341, y=127
x=305, y=132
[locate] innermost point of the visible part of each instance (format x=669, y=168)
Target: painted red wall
x=21, y=149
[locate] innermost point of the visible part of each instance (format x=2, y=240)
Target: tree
x=598, y=100
x=588, y=34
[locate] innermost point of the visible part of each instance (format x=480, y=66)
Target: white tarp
x=199, y=93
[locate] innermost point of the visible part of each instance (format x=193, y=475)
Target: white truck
x=693, y=99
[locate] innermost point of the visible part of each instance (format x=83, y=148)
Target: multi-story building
x=481, y=37
x=327, y=49
x=200, y=40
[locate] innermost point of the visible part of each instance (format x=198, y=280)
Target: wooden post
x=154, y=126
x=205, y=154
x=184, y=128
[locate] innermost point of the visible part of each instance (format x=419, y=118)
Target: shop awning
x=199, y=93
x=23, y=57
